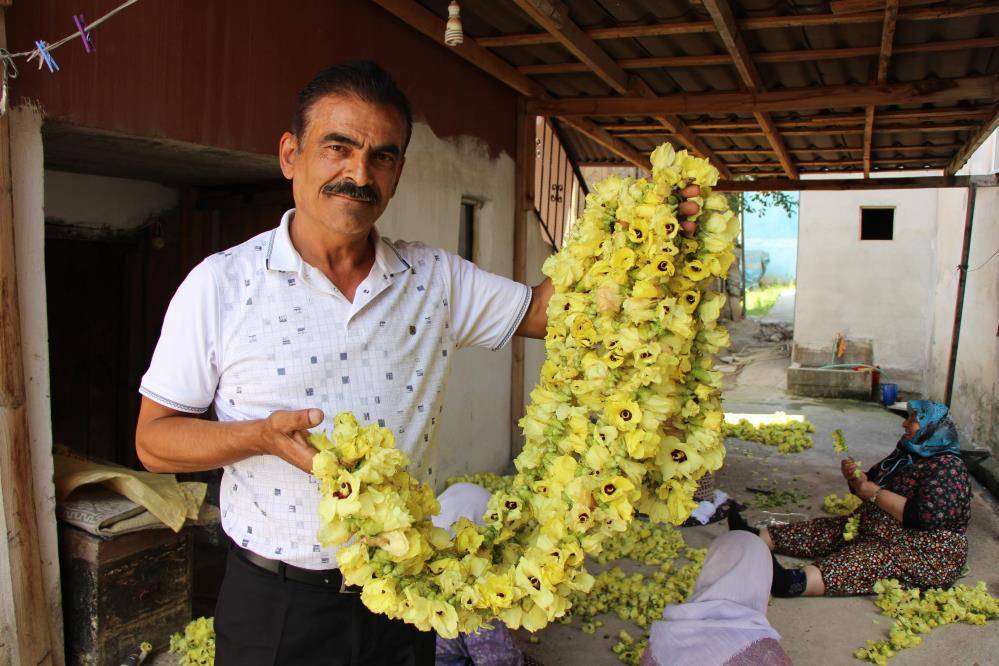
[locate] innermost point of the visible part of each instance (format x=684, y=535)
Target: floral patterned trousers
x=882, y=549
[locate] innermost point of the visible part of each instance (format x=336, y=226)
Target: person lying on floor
x=724, y=623
x=486, y=647
x=917, y=504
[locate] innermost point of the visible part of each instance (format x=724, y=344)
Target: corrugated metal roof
x=922, y=49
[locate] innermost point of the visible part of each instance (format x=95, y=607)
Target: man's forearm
x=535, y=322
x=186, y=444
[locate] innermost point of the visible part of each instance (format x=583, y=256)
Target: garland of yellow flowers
x=626, y=417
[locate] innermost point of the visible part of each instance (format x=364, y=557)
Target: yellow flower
x=695, y=270
x=624, y=415
x=662, y=157
x=497, y=590
x=597, y=456
x=711, y=306
x=614, y=489
x=380, y=596
x=466, y=536
x=563, y=269
x=580, y=518
x=676, y=458
x=638, y=231
x=443, y=618
x=660, y=267
x=623, y=259
x=689, y=299
x=641, y=444
x=345, y=426
x=583, y=332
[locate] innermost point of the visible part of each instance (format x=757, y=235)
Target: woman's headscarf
x=727, y=612
x=936, y=436
x=461, y=500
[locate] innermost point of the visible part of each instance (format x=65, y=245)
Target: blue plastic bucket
x=889, y=394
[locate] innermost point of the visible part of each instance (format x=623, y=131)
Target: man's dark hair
x=361, y=78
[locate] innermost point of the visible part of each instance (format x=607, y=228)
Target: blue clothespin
x=44, y=54
x=81, y=25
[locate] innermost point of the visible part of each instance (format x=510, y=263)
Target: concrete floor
x=823, y=631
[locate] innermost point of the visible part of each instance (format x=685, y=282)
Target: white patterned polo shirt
x=255, y=329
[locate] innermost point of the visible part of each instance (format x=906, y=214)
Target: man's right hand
x=286, y=435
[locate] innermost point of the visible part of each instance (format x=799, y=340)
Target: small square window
x=466, y=231
x=877, y=223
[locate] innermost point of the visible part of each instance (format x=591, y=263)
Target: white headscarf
x=462, y=500
x=726, y=613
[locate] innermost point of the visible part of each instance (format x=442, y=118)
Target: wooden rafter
x=432, y=26
x=678, y=128
x=553, y=16
x=798, y=55
x=817, y=131
x=728, y=30
x=918, y=117
x=901, y=150
x=884, y=59
x=855, y=6
x=758, y=23
x=920, y=182
x=976, y=140
x=788, y=99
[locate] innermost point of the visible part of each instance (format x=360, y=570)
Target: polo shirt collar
x=282, y=255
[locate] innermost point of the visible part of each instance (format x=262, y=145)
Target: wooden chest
x=121, y=592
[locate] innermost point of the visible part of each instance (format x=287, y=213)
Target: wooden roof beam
x=678, y=128
x=823, y=184
x=919, y=115
x=728, y=30
x=788, y=99
x=553, y=16
x=757, y=23
x=816, y=131
x=974, y=142
x=432, y=26
x=902, y=150
x=884, y=59
x=682, y=61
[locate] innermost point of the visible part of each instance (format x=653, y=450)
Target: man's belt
x=330, y=578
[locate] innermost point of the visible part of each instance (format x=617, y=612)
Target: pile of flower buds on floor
x=916, y=612
x=196, y=644
x=790, y=437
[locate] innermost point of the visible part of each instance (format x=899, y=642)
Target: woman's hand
x=854, y=477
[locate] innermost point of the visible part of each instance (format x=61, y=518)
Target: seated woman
x=917, y=504
x=724, y=623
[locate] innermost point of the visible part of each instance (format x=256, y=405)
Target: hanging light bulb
x=453, y=35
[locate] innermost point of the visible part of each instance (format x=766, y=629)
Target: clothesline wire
x=68, y=38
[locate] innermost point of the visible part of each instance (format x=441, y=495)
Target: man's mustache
x=352, y=190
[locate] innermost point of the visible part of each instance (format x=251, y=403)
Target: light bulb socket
x=453, y=33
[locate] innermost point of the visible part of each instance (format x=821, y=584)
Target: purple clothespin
x=81, y=25
x=46, y=57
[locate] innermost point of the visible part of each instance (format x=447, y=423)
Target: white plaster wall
x=474, y=435
x=103, y=202
x=29, y=239
x=975, y=400
x=868, y=289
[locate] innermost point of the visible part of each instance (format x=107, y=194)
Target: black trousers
x=262, y=619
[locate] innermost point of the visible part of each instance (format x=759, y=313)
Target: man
x=281, y=333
